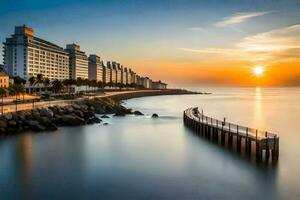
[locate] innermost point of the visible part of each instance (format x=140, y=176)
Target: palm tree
x=56, y=86
x=39, y=78
x=19, y=81
x=17, y=90
x=46, y=83
x=3, y=92
x=32, y=81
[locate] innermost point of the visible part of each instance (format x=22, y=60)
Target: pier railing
x=229, y=134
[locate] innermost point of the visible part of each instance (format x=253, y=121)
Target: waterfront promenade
x=116, y=95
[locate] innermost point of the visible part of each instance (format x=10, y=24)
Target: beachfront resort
x=39, y=66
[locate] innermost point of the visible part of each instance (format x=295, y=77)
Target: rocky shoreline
x=50, y=118
x=79, y=113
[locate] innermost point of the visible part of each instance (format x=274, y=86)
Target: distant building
x=96, y=71
x=158, y=85
x=4, y=80
x=26, y=55
x=107, y=70
x=78, y=62
x=146, y=82
x=119, y=73
x=114, y=72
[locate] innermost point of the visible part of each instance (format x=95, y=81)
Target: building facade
x=114, y=72
x=96, y=71
x=158, y=85
x=78, y=62
x=4, y=80
x=26, y=55
x=107, y=70
x=119, y=73
x=146, y=82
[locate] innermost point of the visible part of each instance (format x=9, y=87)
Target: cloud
x=286, y=38
x=239, y=18
x=196, y=28
x=270, y=47
x=211, y=50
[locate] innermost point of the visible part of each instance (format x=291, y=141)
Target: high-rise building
x=78, y=62
x=26, y=55
x=95, y=68
x=129, y=78
x=114, y=72
x=107, y=70
x=119, y=73
x=123, y=75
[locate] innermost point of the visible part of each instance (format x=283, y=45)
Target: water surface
x=136, y=157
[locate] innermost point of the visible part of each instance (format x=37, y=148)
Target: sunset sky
x=185, y=43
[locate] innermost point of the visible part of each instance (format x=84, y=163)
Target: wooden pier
x=251, y=142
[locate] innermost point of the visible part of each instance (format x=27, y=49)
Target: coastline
x=76, y=113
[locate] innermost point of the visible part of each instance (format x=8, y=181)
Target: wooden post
x=223, y=134
x=238, y=140
x=258, y=149
x=230, y=137
x=267, y=148
x=275, y=150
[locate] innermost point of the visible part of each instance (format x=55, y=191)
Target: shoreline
x=75, y=113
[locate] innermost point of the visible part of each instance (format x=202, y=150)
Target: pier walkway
x=251, y=141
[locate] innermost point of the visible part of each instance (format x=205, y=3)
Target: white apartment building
x=96, y=71
x=129, y=78
x=78, y=62
x=26, y=55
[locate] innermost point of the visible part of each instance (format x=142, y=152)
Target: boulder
x=38, y=128
x=72, y=120
x=3, y=124
x=155, y=115
x=51, y=127
x=33, y=122
x=138, y=112
x=105, y=123
x=12, y=123
x=44, y=120
x=46, y=112
x=105, y=116
x=8, y=116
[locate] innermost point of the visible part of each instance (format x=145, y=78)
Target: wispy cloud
x=196, y=28
x=273, y=46
x=239, y=18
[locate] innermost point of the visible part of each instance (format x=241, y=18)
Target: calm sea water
x=137, y=157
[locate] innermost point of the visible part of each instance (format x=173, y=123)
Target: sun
x=258, y=70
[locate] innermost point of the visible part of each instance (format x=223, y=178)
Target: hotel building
x=95, y=68
x=26, y=55
x=78, y=62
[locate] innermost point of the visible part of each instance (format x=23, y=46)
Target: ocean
x=138, y=157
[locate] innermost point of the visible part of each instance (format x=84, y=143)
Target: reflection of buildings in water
x=25, y=155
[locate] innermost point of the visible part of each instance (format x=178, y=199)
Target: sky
x=185, y=43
